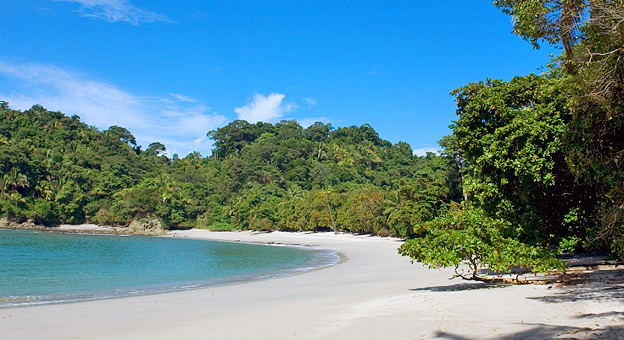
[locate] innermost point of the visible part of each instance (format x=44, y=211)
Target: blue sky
x=170, y=71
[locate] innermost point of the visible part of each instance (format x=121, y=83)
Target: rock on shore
x=146, y=227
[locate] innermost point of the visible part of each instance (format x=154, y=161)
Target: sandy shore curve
x=374, y=294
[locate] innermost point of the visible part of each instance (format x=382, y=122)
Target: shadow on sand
x=598, y=285
x=461, y=287
x=542, y=331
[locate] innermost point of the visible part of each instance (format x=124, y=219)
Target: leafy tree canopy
x=263, y=176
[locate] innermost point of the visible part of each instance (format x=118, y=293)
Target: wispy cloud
x=265, y=108
x=305, y=122
x=310, y=101
x=213, y=69
x=116, y=10
x=179, y=124
x=184, y=98
x=424, y=150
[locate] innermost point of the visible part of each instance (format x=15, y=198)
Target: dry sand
x=83, y=228
x=374, y=294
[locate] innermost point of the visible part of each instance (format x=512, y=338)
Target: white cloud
x=116, y=10
x=306, y=122
x=264, y=108
x=310, y=101
x=179, y=124
x=184, y=98
x=423, y=151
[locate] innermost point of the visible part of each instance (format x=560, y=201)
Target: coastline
x=374, y=294
x=146, y=228
x=23, y=288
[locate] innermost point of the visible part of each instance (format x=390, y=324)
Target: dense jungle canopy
x=261, y=176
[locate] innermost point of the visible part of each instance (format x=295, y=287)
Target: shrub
x=466, y=236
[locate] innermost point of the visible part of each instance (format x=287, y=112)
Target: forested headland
x=533, y=167
x=260, y=176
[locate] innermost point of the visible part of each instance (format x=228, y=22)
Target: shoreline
x=376, y=294
x=65, y=228
x=324, y=258
x=138, y=228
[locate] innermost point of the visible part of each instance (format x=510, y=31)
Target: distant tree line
x=55, y=169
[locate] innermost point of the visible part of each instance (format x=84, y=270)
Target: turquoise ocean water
x=40, y=267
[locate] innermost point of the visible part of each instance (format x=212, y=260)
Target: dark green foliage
x=592, y=35
x=595, y=137
x=156, y=148
x=233, y=137
x=521, y=197
x=56, y=169
x=260, y=176
x=468, y=236
x=510, y=135
x=540, y=157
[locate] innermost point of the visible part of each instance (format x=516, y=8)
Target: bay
x=40, y=267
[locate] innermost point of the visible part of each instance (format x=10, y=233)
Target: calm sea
x=39, y=267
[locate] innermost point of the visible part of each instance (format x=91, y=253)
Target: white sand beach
x=374, y=294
